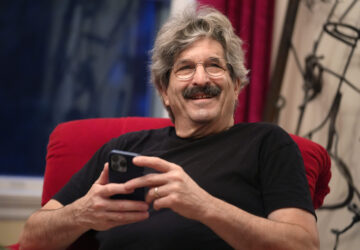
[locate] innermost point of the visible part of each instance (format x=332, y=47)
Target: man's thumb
x=104, y=176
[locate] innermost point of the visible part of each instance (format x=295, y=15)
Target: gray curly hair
x=180, y=31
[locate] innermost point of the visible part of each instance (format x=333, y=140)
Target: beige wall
x=19, y=197
x=307, y=29
x=10, y=231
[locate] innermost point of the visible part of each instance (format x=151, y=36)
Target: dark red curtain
x=253, y=22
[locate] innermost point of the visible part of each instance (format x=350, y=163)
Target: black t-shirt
x=254, y=166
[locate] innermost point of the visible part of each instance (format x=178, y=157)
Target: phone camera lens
x=119, y=163
x=122, y=162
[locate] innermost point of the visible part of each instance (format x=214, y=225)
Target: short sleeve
x=81, y=182
x=282, y=174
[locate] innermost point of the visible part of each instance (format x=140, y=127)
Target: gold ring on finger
x=156, y=190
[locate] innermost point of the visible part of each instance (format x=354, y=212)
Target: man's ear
x=237, y=87
x=164, y=96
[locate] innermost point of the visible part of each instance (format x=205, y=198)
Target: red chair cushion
x=317, y=166
x=72, y=144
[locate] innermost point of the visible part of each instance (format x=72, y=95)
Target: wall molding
x=19, y=196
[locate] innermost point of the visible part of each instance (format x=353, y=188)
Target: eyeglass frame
x=226, y=67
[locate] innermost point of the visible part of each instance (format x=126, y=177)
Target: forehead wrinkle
x=207, y=46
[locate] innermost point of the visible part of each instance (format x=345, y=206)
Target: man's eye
x=185, y=67
x=215, y=65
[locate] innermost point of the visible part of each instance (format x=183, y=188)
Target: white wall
x=308, y=26
x=19, y=197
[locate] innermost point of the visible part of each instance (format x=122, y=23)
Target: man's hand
x=290, y=228
x=171, y=188
x=97, y=211
x=56, y=226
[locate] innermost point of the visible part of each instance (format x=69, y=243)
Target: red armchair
x=72, y=144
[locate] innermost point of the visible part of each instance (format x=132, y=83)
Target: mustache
x=208, y=90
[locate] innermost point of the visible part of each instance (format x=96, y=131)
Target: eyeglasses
x=214, y=67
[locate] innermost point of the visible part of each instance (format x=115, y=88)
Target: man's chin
x=203, y=116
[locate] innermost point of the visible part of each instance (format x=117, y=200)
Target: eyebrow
x=211, y=58
x=183, y=61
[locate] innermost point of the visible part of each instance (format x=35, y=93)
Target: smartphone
x=122, y=169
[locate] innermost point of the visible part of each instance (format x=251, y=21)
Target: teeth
x=201, y=97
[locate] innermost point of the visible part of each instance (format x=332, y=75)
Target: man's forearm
x=51, y=229
x=246, y=231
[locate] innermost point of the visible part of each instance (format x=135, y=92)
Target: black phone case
x=131, y=172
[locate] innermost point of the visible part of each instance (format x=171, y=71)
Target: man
x=211, y=184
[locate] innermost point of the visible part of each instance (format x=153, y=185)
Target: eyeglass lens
x=214, y=67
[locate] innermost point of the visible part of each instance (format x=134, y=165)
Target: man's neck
x=198, y=130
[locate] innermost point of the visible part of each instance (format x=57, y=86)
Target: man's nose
x=200, y=76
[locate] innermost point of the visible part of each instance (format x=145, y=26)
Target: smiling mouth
x=201, y=92
x=201, y=96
